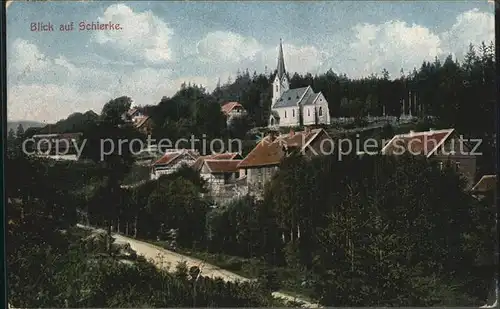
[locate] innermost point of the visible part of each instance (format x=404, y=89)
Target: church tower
x=280, y=84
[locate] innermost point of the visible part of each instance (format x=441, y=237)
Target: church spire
x=281, y=62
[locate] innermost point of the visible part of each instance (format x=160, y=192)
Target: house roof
x=217, y=156
x=310, y=98
x=291, y=97
x=169, y=157
x=222, y=166
x=418, y=143
x=270, y=152
x=485, y=184
x=141, y=121
x=229, y=106
x=132, y=111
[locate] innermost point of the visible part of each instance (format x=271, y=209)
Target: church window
x=320, y=112
x=276, y=88
x=297, y=96
x=308, y=112
x=289, y=98
x=293, y=113
x=285, y=114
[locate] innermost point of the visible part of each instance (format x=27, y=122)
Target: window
x=285, y=114
x=293, y=113
x=308, y=112
x=320, y=110
x=289, y=98
x=276, y=88
x=457, y=165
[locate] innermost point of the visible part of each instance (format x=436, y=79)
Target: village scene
x=272, y=189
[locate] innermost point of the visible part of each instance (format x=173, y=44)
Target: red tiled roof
x=167, y=158
x=270, y=152
x=485, y=184
x=228, y=107
x=217, y=156
x=222, y=166
x=171, y=156
x=417, y=143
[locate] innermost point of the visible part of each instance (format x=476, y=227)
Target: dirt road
x=166, y=259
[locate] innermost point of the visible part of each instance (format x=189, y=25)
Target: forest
x=364, y=231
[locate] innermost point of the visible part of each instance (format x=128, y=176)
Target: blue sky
x=162, y=44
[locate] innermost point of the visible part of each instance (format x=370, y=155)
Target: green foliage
x=52, y=264
x=387, y=221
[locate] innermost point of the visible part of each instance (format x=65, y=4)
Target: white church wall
x=289, y=116
x=324, y=117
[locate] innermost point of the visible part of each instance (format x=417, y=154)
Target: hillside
x=25, y=123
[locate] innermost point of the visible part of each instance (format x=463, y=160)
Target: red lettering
x=33, y=27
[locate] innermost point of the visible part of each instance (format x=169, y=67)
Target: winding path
x=166, y=259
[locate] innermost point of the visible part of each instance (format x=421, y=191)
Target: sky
x=162, y=44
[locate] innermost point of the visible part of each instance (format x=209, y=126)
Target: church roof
x=281, y=63
x=290, y=97
x=309, y=98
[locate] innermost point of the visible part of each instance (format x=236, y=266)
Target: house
x=442, y=145
x=262, y=162
x=147, y=156
x=172, y=161
x=218, y=169
x=56, y=144
x=144, y=124
x=132, y=114
x=216, y=156
x=222, y=175
x=295, y=107
x=218, y=173
x=233, y=109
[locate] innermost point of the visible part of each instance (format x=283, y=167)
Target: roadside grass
x=289, y=281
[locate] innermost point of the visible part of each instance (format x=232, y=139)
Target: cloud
x=392, y=45
x=143, y=35
x=396, y=45
x=26, y=57
x=222, y=50
x=226, y=46
x=471, y=27
x=53, y=88
x=42, y=87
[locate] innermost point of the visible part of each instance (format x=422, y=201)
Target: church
x=295, y=107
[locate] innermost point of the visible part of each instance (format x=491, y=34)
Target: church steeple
x=281, y=62
x=280, y=84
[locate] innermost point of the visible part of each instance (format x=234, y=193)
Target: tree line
x=367, y=230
